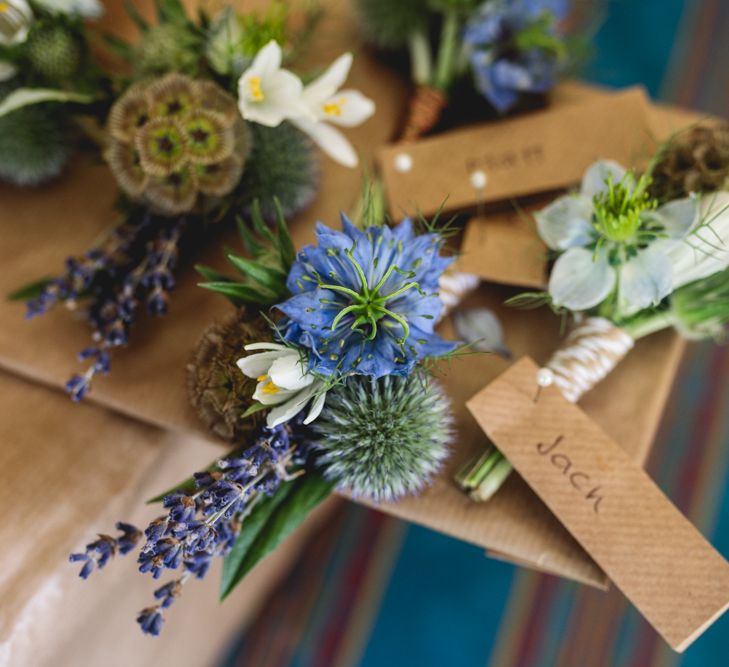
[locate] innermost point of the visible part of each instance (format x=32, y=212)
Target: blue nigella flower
x=366, y=302
x=514, y=48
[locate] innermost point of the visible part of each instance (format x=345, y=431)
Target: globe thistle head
x=170, y=46
x=284, y=166
x=175, y=141
x=218, y=391
x=53, y=50
x=35, y=143
x=389, y=24
x=696, y=160
x=383, y=439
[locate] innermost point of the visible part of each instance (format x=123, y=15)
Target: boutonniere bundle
x=329, y=387
x=46, y=75
x=507, y=50
x=634, y=254
x=206, y=121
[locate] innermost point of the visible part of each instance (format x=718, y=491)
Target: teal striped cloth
x=375, y=592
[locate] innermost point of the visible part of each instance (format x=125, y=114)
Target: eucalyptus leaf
x=23, y=97
x=270, y=523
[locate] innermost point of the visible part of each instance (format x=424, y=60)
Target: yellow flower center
x=4, y=7
x=334, y=108
x=269, y=387
x=254, y=83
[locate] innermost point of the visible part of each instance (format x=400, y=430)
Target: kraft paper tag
x=661, y=562
x=538, y=152
x=505, y=248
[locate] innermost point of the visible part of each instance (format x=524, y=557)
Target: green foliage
x=282, y=165
x=390, y=23
x=530, y=300
x=34, y=144
x=270, y=522
x=31, y=291
x=264, y=274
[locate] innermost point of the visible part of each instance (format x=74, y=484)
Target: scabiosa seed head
x=382, y=439
x=175, y=141
x=285, y=167
x=696, y=160
x=218, y=390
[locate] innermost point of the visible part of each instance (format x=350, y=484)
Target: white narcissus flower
x=283, y=382
x=585, y=274
x=268, y=94
x=89, y=9
x=329, y=106
x=16, y=17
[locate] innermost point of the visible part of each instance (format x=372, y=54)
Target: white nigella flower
x=15, y=20
x=706, y=249
x=614, y=239
x=89, y=9
x=283, y=382
x=328, y=106
x=268, y=94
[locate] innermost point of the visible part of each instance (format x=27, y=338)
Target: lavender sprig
x=133, y=265
x=202, y=523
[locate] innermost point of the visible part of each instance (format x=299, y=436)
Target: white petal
x=330, y=140
x=286, y=411
x=288, y=372
x=579, y=280
x=678, y=217
x=7, y=70
x=255, y=365
x=347, y=108
x=330, y=81
x=281, y=99
x=595, y=178
x=265, y=346
x=644, y=280
x=565, y=223
x=267, y=60
x=316, y=407
x=481, y=329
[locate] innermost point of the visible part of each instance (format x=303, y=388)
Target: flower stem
x=644, y=326
x=447, y=50
x=420, y=59
x=484, y=477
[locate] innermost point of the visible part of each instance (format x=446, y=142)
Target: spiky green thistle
x=54, y=51
x=34, y=144
x=389, y=24
x=383, y=439
x=283, y=165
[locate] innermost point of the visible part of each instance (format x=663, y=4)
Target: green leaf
x=118, y=47
x=23, y=97
x=270, y=523
x=170, y=11
x=31, y=291
x=255, y=407
x=529, y=300
x=259, y=225
x=240, y=292
x=134, y=14
x=211, y=274
x=285, y=244
x=248, y=240
x=270, y=278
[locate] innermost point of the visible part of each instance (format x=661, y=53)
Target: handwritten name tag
x=538, y=152
x=653, y=554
